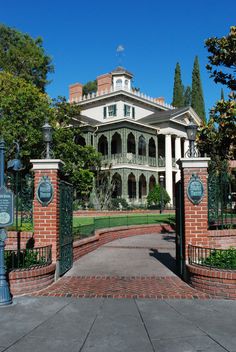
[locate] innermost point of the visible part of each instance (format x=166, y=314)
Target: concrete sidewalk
x=110, y=325
x=141, y=255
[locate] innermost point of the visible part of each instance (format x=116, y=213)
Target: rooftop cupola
x=121, y=78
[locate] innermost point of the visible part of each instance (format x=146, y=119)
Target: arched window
x=116, y=144
x=103, y=145
x=142, y=186
x=119, y=84
x=152, y=183
x=131, y=143
x=131, y=186
x=152, y=148
x=141, y=146
x=117, y=183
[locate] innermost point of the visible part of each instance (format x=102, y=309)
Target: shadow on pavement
x=165, y=258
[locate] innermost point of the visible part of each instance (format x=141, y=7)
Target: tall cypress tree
x=178, y=91
x=222, y=96
x=187, y=96
x=197, y=102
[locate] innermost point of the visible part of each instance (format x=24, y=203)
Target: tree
x=24, y=57
x=178, y=91
x=222, y=96
x=223, y=55
x=217, y=138
x=104, y=186
x=90, y=87
x=158, y=195
x=187, y=96
x=80, y=161
x=23, y=110
x=197, y=101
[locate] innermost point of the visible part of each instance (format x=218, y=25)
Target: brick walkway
x=137, y=267
x=122, y=287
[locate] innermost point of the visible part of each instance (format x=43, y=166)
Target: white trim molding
x=193, y=162
x=47, y=164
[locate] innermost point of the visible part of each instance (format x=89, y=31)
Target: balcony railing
x=131, y=158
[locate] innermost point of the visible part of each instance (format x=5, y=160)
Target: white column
x=177, y=156
x=168, y=159
x=186, y=147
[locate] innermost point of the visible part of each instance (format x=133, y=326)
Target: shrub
x=118, y=204
x=157, y=195
x=27, y=258
x=222, y=259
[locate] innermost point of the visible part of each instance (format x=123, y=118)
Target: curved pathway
x=137, y=267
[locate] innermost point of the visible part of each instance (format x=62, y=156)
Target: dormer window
x=119, y=84
x=127, y=111
x=109, y=111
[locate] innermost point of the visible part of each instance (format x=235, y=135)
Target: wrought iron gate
x=180, y=228
x=221, y=207
x=66, y=236
x=23, y=188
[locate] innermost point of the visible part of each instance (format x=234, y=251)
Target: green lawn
x=85, y=226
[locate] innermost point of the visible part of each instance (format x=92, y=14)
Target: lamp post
x=15, y=166
x=162, y=185
x=5, y=296
x=191, y=133
x=47, y=138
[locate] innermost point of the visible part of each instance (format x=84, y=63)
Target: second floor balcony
x=133, y=159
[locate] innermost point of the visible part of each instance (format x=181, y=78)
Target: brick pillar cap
x=193, y=162
x=47, y=164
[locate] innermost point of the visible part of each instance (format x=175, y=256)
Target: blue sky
x=82, y=36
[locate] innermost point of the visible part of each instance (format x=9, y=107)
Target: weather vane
x=120, y=53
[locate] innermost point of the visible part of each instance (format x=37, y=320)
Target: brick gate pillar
x=195, y=216
x=46, y=217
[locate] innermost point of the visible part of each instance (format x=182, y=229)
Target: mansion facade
x=139, y=136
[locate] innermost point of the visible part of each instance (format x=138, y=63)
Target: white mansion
x=142, y=137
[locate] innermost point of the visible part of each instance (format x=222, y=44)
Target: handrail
x=217, y=258
x=28, y=258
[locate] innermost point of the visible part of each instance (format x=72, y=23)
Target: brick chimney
x=75, y=91
x=159, y=100
x=104, y=83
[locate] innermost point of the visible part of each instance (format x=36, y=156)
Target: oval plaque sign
x=6, y=207
x=45, y=191
x=195, y=189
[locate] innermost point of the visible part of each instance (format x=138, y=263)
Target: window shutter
x=114, y=109
x=133, y=112
x=105, y=112
x=125, y=110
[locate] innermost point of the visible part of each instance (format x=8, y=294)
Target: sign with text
x=45, y=191
x=195, y=189
x=6, y=207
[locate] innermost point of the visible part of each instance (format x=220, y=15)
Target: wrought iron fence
x=221, y=205
x=212, y=257
x=81, y=231
x=23, y=188
x=28, y=258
